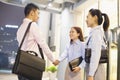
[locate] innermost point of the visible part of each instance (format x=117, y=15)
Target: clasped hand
x=56, y=62
x=75, y=70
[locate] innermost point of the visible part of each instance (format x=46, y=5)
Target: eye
x=87, y=16
x=72, y=31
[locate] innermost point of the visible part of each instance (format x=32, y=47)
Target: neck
x=29, y=17
x=94, y=25
x=75, y=39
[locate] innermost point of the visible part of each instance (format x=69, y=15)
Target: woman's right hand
x=56, y=62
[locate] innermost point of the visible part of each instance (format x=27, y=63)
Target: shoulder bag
x=104, y=53
x=29, y=65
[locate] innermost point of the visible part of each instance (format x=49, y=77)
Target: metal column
x=118, y=64
x=118, y=67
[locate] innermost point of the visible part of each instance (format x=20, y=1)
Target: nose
x=87, y=21
x=38, y=17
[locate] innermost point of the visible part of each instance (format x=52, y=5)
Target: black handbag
x=29, y=65
x=75, y=62
x=104, y=53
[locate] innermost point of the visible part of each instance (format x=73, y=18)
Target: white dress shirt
x=96, y=42
x=72, y=51
x=33, y=38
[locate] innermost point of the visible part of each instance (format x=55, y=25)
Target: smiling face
x=73, y=34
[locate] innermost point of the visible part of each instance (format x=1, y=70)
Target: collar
x=27, y=19
x=97, y=27
x=77, y=42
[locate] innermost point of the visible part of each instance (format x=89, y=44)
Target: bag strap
x=88, y=40
x=25, y=35
x=40, y=50
x=103, y=39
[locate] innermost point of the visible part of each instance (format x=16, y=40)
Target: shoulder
x=97, y=31
x=82, y=43
x=96, y=35
x=34, y=26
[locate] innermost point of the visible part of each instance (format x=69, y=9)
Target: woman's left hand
x=90, y=78
x=76, y=69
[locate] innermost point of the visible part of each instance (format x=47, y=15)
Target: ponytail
x=106, y=22
x=98, y=13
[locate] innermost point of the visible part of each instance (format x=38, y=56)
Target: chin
x=35, y=20
x=88, y=26
x=71, y=38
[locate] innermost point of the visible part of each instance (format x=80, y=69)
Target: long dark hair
x=99, y=14
x=79, y=30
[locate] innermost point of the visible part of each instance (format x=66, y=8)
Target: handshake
x=56, y=62
x=75, y=70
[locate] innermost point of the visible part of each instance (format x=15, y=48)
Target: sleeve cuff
x=59, y=59
x=91, y=73
x=82, y=65
x=53, y=60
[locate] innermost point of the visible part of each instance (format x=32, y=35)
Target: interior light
x=50, y=5
x=11, y=26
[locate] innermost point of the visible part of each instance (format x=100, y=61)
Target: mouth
x=71, y=37
x=87, y=23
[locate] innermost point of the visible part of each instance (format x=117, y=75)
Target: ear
x=78, y=34
x=31, y=12
x=96, y=18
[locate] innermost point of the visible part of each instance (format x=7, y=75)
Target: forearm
x=48, y=52
x=94, y=61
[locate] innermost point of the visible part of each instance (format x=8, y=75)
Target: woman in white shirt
x=95, y=18
x=74, y=50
